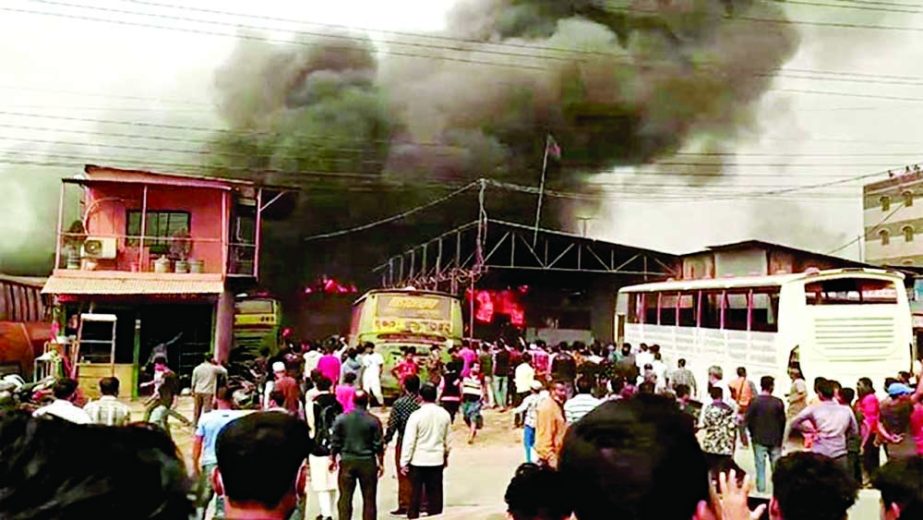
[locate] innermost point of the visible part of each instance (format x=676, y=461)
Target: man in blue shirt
x=203, y=449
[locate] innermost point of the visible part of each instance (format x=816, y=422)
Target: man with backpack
x=326, y=409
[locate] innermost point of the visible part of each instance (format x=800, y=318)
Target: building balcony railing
x=147, y=254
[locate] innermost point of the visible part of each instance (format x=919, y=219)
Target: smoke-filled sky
x=689, y=155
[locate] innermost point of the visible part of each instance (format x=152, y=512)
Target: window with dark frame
x=851, y=291
x=688, y=305
x=765, y=313
x=160, y=228
x=634, y=311
x=668, y=302
x=736, y=309
x=704, y=309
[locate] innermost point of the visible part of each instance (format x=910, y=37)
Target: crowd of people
x=607, y=433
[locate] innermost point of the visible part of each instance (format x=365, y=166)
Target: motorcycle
x=15, y=393
x=245, y=380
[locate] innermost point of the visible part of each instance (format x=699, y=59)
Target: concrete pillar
x=224, y=325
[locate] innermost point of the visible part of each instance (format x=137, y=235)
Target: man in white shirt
x=63, y=406
x=372, y=363
x=523, y=377
x=660, y=370
x=582, y=403
x=425, y=453
x=108, y=410
x=204, y=384
x=311, y=359
x=645, y=357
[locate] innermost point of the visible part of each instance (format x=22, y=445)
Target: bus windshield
x=419, y=307
x=255, y=307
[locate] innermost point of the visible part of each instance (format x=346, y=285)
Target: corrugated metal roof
x=31, y=281
x=90, y=286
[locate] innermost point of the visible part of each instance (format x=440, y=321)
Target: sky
x=846, y=105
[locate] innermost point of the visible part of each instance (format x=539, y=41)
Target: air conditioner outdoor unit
x=101, y=248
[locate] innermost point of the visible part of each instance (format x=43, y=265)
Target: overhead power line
x=481, y=48
x=532, y=47
x=780, y=21
x=865, y=234
x=393, y=218
x=253, y=133
x=845, y=5
x=104, y=95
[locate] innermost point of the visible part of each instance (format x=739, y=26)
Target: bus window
x=850, y=291
x=650, y=309
x=711, y=309
x=634, y=307
x=735, y=310
x=687, y=309
x=255, y=307
x=668, y=303
x=765, y=312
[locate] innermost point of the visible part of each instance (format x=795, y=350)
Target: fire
x=329, y=285
x=488, y=304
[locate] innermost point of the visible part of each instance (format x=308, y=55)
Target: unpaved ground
x=478, y=474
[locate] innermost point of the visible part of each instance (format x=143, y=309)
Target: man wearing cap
x=288, y=386
x=530, y=407
x=895, y=420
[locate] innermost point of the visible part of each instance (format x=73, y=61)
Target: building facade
x=756, y=258
x=893, y=220
x=160, y=257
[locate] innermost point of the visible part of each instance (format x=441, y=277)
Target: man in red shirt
x=288, y=386
x=406, y=368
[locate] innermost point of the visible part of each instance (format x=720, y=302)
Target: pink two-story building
x=161, y=256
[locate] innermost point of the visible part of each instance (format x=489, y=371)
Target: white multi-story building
x=893, y=220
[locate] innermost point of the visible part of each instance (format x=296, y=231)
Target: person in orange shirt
x=550, y=425
x=743, y=391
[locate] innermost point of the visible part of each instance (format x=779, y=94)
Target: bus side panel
x=703, y=348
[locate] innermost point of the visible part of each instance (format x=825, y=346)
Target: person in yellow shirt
x=551, y=425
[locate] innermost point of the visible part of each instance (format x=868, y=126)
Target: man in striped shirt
x=108, y=410
x=472, y=400
x=582, y=403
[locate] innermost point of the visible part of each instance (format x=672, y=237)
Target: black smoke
x=371, y=128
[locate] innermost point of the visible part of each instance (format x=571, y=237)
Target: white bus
x=840, y=324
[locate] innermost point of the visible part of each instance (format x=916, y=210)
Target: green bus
x=257, y=322
x=394, y=319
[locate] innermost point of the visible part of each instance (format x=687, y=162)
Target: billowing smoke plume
x=615, y=83
x=644, y=78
